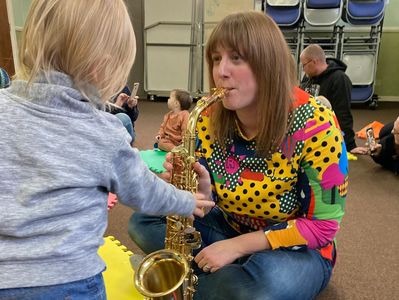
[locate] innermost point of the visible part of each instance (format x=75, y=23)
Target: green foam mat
x=154, y=159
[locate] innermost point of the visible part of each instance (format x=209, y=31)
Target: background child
x=175, y=122
x=125, y=108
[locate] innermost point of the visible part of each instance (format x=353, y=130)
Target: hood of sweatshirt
x=333, y=65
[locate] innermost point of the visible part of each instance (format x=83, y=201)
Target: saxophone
x=167, y=274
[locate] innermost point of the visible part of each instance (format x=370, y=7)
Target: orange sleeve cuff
x=287, y=237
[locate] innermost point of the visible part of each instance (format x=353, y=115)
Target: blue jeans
x=87, y=289
x=278, y=274
x=127, y=123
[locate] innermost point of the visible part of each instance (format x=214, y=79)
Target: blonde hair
x=259, y=41
x=314, y=51
x=91, y=41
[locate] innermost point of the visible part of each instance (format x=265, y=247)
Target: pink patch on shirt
x=318, y=233
x=231, y=165
x=307, y=133
x=331, y=177
x=218, y=162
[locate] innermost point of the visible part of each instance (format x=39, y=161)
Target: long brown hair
x=257, y=38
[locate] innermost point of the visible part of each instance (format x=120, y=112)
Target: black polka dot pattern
x=252, y=188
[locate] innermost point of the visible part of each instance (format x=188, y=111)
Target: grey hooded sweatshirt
x=60, y=156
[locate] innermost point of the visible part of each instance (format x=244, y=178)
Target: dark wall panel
x=135, y=8
x=6, y=58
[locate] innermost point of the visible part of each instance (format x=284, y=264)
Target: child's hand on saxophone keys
x=202, y=205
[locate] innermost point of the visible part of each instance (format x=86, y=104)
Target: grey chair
x=322, y=12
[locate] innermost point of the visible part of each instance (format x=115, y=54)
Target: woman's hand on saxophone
x=203, y=196
x=168, y=167
x=224, y=252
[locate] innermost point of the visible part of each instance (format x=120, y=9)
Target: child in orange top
x=175, y=121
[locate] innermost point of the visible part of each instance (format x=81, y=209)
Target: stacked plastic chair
x=287, y=15
x=360, y=53
x=364, y=12
x=360, y=48
x=322, y=12
x=292, y=37
x=284, y=12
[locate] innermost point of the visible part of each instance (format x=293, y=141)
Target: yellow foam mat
x=119, y=275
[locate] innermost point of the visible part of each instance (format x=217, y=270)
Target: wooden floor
x=368, y=242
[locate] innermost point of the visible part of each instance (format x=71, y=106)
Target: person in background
x=278, y=168
x=4, y=79
x=386, y=151
x=59, y=167
x=125, y=108
x=326, y=77
x=174, y=122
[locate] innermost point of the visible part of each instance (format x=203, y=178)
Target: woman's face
x=233, y=73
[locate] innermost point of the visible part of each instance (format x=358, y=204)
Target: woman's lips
x=228, y=90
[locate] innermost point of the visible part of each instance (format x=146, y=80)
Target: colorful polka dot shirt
x=296, y=196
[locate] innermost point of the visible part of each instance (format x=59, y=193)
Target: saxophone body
x=167, y=274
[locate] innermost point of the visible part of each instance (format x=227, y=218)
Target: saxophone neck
x=217, y=95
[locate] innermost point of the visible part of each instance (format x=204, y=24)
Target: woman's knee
x=135, y=225
x=135, y=231
x=230, y=282
x=267, y=275
x=148, y=232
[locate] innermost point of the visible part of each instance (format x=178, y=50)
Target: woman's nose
x=224, y=68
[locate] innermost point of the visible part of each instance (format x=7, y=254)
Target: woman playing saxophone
x=278, y=169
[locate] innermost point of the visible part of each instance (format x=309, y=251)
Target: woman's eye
x=216, y=58
x=235, y=57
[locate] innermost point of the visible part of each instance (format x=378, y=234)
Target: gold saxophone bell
x=162, y=274
x=167, y=274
